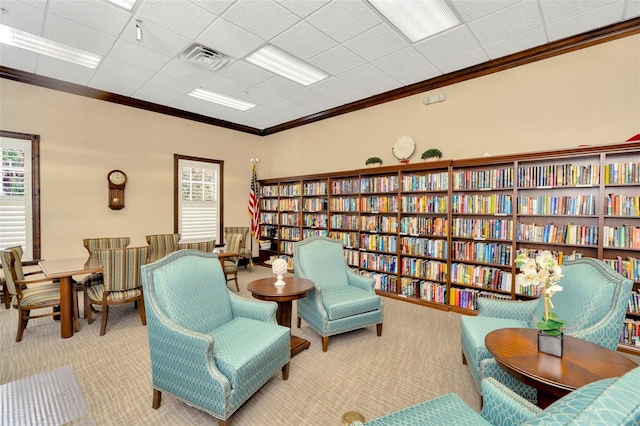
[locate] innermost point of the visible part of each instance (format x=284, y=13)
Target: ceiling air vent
x=204, y=56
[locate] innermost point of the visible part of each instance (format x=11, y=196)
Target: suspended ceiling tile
x=224, y=85
x=175, y=15
x=135, y=54
x=167, y=81
x=303, y=8
x=22, y=16
x=506, y=23
x=448, y=44
x=337, y=60
x=279, y=85
x=216, y=7
x=554, y=11
x=155, y=95
x=332, y=86
x=73, y=34
x=283, y=104
x=62, y=70
x=307, y=97
x=416, y=76
x=102, y=16
x=230, y=39
x=376, y=43
x=262, y=18
x=20, y=59
x=245, y=72
x=156, y=38
x=219, y=111
x=401, y=62
x=382, y=86
x=351, y=96
x=584, y=22
x=515, y=44
x=183, y=70
x=124, y=70
x=363, y=76
x=114, y=84
x=463, y=61
x=633, y=9
x=344, y=19
x=303, y=41
x=258, y=96
x=191, y=104
x=473, y=9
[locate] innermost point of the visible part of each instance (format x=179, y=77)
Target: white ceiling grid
x=361, y=51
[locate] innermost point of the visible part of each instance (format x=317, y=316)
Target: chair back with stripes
x=121, y=267
x=234, y=242
x=243, y=230
x=205, y=246
x=91, y=244
x=12, y=267
x=162, y=244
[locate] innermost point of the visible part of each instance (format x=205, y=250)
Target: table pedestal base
x=298, y=344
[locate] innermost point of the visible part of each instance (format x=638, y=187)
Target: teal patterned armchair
x=209, y=348
x=606, y=402
x=341, y=300
x=593, y=300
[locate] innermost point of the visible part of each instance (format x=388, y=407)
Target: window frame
x=177, y=187
x=35, y=189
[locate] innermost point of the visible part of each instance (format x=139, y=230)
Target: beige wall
x=591, y=96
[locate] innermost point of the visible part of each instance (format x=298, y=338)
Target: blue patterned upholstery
x=208, y=347
x=606, y=402
x=341, y=300
x=593, y=301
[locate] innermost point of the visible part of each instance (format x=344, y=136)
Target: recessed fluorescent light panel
x=127, y=4
x=417, y=19
x=217, y=98
x=24, y=40
x=287, y=66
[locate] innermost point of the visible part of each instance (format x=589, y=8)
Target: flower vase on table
x=544, y=272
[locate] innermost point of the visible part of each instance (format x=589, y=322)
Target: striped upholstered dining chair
x=205, y=246
x=234, y=242
x=244, y=252
x=29, y=295
x=121, y=269
x=92, y=244
x=161, y=245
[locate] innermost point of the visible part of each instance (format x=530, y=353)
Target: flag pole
x=254, y=207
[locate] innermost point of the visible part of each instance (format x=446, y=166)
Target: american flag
x=253, y=205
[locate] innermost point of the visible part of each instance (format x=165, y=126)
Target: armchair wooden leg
x=143, y=313
x=5, y=295
x=299, y=322
x=464, y=359
x=157, y=399
x=224, y=422
x=325, y=343
x=23, y=319
x=76, y=323
x=379, y=329
x=285, y=371
x=103, y=323
x=236, y=280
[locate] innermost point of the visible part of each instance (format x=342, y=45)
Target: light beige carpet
x=417, y=358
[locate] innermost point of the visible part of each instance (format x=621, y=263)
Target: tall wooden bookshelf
x=442, y=234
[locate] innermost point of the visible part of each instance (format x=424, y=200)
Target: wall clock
x=117, y=180
x=403, y=148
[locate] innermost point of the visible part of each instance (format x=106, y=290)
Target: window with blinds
x=199, y=198
x=16, y=207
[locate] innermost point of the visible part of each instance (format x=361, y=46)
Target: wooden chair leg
x=464, y=359
x=224, y=422
x=5, y=295
x=88, y=312
x=325, y=343
x=299, y=322
x=157, y=399
x=143, y=313
x=379, y=329
x=76, y=323
x=23, y=318
x=285, y=371
x=236, y=280
x=103, y=323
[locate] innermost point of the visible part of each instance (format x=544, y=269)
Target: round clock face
x=404, y=147
x=116, y=177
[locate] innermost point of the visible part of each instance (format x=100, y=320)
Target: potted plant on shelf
x=544, y=271
x=432, y=154
x=373, y=161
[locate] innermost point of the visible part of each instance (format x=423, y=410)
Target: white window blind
x=199, y=200
x=16, y=195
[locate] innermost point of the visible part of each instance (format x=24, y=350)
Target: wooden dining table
x=64, y=270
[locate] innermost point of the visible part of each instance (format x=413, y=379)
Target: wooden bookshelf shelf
x=408, y=225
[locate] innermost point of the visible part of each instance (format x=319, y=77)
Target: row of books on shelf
x=379, y=262
x=473, y=251
x=318, y=220
x=291, y=204
x=628, y=268
x=481, y=204
x=424, y=247
x=385, y=204
x=423, y=268
x=622, y=205
x=481, y=276
x=314, y=204
x=467, y=298
x=347, y=186
x=580, y=205
x=290, y=190
x=634, y=302
x=379, y=184
x=623, y=236
x=630, y=332
x=558, y=175
x=501, y=178
x=425, y=290
x=424, y=203
x=343, y=221
x=379, y=224
x=384, y=282
x=315, y=188
x=622, y=173
x=344, y=204
x=557, y=234
x=426, y=182
x=412, y=225
x=495, y=229
x=388, y=243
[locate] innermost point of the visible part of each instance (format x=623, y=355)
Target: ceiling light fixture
x=138, y=30
x=417, y=19
x=287, y=66
x=127, y=4
x=34, y=43
x=225, y=100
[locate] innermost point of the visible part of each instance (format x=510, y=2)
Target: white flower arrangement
x=544, y=272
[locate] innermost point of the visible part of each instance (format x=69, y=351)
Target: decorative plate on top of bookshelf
x=403, y=148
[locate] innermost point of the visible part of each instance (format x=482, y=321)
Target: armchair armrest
x=258, y=310
x=361, y=281
x=508, y=309
x=36, y=281
x=502, y=406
